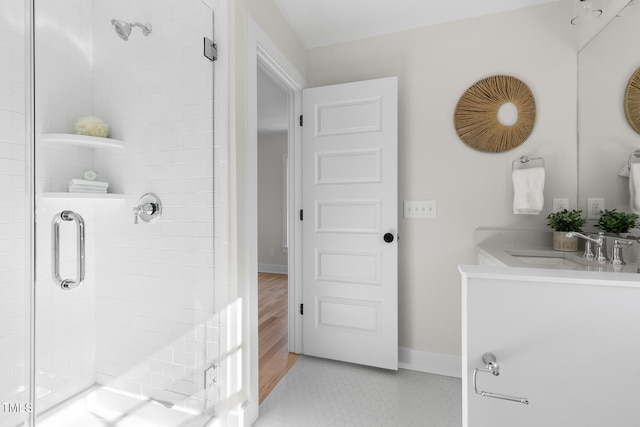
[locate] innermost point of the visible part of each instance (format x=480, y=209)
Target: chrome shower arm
x=146, y=29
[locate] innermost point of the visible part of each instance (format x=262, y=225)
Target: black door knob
x=388, y=237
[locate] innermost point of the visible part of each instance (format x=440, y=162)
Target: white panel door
x=350, y=284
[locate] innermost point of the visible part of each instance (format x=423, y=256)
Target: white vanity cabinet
x=569, y=341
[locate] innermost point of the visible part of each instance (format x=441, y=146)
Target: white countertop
x=531, y=253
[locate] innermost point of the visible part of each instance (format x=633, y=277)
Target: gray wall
x=271, y=148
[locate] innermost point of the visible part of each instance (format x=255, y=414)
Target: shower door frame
x=30, y=228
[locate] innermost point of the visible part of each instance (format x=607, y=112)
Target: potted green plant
x=612, y=221
x=563, y=222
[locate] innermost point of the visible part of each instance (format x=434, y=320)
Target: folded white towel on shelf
x=87, y=183
x=634, y=187
x=86, y=190
x=86, y=186
x=528, y=191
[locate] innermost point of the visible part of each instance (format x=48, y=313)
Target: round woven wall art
x=476, y=116
x=632, y=101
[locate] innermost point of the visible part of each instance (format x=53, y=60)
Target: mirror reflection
x=607, y=142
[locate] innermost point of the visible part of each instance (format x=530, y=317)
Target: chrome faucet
x=600, y=242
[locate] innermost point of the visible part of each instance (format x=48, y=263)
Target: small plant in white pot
x=563, y=222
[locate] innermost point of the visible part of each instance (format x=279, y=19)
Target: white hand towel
x=528, y=191
x=634, y=187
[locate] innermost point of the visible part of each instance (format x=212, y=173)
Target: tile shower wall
x=155, y=295
x=12, y=209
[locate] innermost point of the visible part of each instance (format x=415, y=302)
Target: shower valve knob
x=149, y=209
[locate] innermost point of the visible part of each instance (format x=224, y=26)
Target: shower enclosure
x=110, y=260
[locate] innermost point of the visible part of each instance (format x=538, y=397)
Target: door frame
x=263, y=52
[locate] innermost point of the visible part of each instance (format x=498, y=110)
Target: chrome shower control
x=148, y=209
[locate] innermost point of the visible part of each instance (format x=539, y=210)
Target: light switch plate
x=420, y=209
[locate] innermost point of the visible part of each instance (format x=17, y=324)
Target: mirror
x=605, y=137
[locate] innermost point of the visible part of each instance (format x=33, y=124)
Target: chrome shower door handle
x=55, y=250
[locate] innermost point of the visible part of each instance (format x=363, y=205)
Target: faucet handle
x=616, y=251
x=588, y=250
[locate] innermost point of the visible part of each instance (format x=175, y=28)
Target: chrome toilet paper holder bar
x=492, y=367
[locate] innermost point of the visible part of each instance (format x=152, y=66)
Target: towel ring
x=525, y=162
x=634, y=157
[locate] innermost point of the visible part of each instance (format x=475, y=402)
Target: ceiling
x=324, y=22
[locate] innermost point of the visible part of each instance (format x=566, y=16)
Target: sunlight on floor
x=104, y=406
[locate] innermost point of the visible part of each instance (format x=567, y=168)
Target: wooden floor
x=273, y=331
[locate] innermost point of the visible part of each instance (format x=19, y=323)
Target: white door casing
x=350, y=285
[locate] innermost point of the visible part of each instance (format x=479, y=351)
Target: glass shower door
x=124, y=145
x=15, y=405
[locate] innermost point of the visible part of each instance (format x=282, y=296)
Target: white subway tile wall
x=145, y=320
x=12, y=211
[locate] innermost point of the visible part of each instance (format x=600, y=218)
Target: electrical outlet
x=595, y=207
x=560, y=205
x=420, y=209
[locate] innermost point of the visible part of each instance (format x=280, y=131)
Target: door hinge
x=210, y=49
x=301, y=215
x=301, y=120
x=301, y=309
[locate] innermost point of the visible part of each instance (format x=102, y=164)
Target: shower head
x=124, y=28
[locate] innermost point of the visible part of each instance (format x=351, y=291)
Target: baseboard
x=433, y=363
x=273, y=268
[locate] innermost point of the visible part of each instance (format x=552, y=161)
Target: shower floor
x=104, y=406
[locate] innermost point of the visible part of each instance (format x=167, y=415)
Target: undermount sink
x=545, y=260
x=552, y=259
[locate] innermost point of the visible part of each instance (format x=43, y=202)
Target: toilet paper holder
x=491, y=366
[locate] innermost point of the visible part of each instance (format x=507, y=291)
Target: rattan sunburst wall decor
x=476, y=115
x=632, y=101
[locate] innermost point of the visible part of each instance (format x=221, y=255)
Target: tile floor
x=325, y=393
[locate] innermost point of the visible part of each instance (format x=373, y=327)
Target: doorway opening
x=273, y=220
x=264, y=55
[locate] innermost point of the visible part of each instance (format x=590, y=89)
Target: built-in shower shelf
x=80, y=140
x=86, y=196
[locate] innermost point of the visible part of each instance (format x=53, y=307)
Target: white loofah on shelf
x=92, y=126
